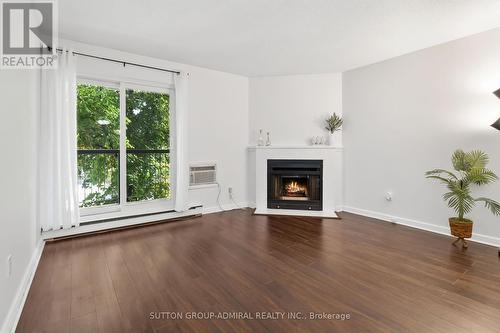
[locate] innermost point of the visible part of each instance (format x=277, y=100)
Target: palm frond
x=481, y=176
x=459, y=160
x=477, y=159
x=440, y=171
x=492, y=205
x=459, y=198
x=442, y=179
x=461, y=204
x=459, y=186
x=448, y=195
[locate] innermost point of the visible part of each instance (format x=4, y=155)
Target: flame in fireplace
x=294, y=187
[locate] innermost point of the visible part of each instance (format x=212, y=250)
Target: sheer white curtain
x=181, y=82
x=57, y=173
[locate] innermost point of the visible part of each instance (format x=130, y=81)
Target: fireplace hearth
x=295, y=184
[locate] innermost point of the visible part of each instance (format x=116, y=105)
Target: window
x=148, y=138
x=98, y=140
x=123, y=137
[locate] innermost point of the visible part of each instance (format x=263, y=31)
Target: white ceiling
x=274, y=37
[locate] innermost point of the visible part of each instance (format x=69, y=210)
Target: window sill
x=197, y=187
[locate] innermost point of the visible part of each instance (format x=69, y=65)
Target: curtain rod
x=119, y=61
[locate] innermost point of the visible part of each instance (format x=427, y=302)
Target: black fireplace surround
x=295, y=184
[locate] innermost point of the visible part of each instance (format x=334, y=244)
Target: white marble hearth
x=327, y=214
x=332, y=177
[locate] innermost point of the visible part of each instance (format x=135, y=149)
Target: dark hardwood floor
x=387, y=278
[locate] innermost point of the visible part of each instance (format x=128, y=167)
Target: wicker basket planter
x=461, y=228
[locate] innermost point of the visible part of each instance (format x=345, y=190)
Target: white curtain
x=57, y=173
x=181, y=82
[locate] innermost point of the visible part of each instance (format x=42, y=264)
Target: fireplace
x=295, y=184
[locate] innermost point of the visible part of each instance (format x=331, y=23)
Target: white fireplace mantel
x=332, y=176
x=295, y=147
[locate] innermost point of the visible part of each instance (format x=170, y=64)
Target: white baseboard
x=484, y=239
x=17, y=305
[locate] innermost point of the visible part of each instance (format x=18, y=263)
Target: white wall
x=217, y=120
x=293, y=108
x=18, y=236
x=407, y=115
x=218, y=131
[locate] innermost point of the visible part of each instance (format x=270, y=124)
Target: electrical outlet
x=388, y=196
x=9, y=265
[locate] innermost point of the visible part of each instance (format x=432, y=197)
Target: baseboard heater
x=122, y=227
x=112, y=219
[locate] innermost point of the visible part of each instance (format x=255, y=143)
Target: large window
x=123, y=144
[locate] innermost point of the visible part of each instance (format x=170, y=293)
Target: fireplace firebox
x=295, y=184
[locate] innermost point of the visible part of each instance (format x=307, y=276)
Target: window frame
x=125, y=208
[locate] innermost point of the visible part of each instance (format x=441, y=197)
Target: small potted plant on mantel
x=470, y=170
x=333, y=124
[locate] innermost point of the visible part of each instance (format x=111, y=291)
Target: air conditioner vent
x=202, y=174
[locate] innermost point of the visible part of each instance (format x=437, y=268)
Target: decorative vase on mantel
x=268, y=140
x=335, y=139
x=333, y=125
x=260, y=140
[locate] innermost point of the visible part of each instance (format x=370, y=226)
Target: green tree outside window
x=98, y=139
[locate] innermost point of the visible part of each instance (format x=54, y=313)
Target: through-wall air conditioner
x=202, y=174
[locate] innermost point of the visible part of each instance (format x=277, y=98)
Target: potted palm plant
x=471, y=171
x=333, y=124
